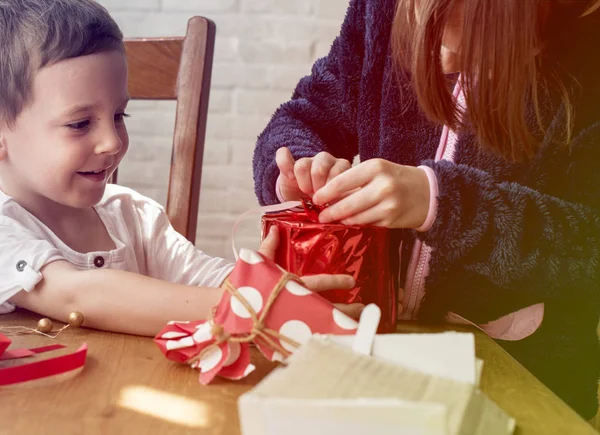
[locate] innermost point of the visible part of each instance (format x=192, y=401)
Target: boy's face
x=67, y=142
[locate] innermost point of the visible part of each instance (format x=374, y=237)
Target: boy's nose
x=111, y=143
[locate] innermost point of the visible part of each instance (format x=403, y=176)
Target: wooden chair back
x=178, y=69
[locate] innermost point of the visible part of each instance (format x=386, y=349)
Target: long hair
x=503, y=66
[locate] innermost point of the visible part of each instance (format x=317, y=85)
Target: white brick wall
x=263, y=48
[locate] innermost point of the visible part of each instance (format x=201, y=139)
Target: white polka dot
x=250, y=257
x=277, y=356
x=295, y=330
x=173, y=322
x=173, y=334
x=210, y=359
x=203, y=333
x=235, y=349
x=343, y=321
x=195, y=364
x=248, y=370
x=253, y=297
x=180, y=344
x=296, y=289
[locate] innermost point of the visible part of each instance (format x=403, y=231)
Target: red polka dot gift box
x=262, y=304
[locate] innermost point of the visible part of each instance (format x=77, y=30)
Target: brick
x=248, y=127
x=149, y=149
x=226, y=49
x=305, y=30
x=152, y=123
x=216, y=152
x=215, y=225
x=230, y=75
x=219, y=126
x=240, y=200
x=151, y=24
x=279, y=7
x=146, y=174
x=260, y=102
x=286, y=78
x=220, y=225
x=220, y=101
x=242, y=151
x=332, y=9
x=200, y=6
x=244, y=26
x=138, y=5
x=321, y=49
x=274, y=52
x=227, y=177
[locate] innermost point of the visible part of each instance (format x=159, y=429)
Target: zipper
x=421, y=252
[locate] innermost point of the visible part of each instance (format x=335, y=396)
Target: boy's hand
x=304, y=177
x=316, y=283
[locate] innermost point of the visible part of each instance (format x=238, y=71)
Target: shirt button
x=98, y=261
x=21, y=265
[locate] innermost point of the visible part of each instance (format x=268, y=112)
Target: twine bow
x=258, y=327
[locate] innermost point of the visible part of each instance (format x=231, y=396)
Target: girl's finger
x=377, y=216
x=339, y=167
x=324, y=282
x=355, y=177
x=302, y=170
x=285, y=162
x=351, y=205
x=351, y=310
x=321, y=166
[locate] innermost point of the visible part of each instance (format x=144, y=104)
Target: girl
x=478, y=126
x=68, y=241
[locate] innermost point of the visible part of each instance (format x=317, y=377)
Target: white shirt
x=145, y=241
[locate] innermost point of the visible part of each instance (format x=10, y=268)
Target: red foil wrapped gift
x=369, y=254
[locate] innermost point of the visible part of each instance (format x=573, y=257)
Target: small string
x=24, y=330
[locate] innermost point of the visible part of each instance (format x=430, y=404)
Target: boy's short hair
x=39, y=33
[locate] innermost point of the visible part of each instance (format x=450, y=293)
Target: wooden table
x=128, y=387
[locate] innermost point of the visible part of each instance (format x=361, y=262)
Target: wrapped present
x=262, y=304
x=369, y=254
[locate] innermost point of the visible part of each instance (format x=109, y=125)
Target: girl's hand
x=304, y=177
x=316, y=283
x=376, y=192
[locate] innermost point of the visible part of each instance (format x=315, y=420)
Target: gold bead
x=75, y=319
x=44, y=325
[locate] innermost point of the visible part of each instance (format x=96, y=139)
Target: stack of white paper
x=422, y=384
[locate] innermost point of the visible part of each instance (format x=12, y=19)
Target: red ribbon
x=38, y=369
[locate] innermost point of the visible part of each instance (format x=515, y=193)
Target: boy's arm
x=115, y=300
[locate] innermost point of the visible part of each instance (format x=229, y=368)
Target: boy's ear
x=3, y=146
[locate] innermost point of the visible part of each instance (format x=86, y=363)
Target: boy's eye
x=120, y=117
x=79, y=126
